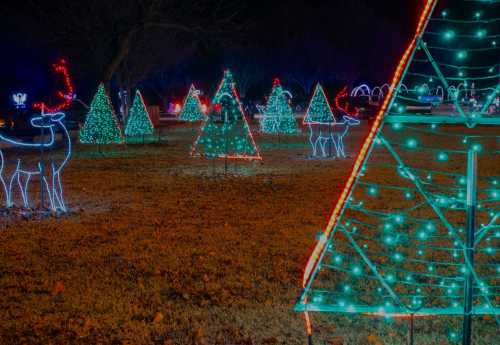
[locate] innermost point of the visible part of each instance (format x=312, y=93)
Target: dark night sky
x=280, y=34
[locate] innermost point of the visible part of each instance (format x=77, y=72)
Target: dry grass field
x=162, y=248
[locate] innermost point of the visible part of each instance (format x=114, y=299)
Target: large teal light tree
x=416, y=230
x=225, y=133
x=278, y=115
x=101, y=125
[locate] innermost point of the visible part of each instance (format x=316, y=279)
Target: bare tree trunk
x=120, y=53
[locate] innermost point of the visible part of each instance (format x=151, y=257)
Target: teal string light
x=401, y=219
x=138, y=121
x=225, y=133
x=319, y=110
x=278, y=115
x=192, y=110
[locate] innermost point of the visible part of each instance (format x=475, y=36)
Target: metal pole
x=411, y=330
x=469, y=250
x=42, y=166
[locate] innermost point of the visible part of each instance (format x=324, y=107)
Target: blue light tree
x=416, y=231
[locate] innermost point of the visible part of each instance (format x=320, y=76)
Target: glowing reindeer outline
x=334, y=131
x=22, y=177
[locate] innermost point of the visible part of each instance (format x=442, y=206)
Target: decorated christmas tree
x=138, y=121
x=278, y=116
x=415, y=232
x=225, y=133
x=319, y=110
x=101, y=125
x=191, y=111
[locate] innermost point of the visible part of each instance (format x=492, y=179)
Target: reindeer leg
x=10, y=196
x=6, y=192
x=57, y=189
x=2, y=180
x=341, y=146
x=4, y=185
x=23, y=187
x=315, y=147
x=323, y=145
x=49, y=192
x=312, y=141
x=59, y=192
x=336, y=145
x=13, y=178
x=26, y=185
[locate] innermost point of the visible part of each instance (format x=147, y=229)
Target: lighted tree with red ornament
x=225, y=133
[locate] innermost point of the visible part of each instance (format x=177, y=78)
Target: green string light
x=101, y=125
x=278, y=115
x=138, y=121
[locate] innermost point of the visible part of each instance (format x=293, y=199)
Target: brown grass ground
x=160, y=250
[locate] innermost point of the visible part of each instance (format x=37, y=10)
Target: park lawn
x=162, y=248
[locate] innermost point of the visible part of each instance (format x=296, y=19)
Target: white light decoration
x=49, y=171
x=19, y=100
x=321, y=134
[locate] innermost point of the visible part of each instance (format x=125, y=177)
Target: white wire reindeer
x=22, y=171
x=321, y=133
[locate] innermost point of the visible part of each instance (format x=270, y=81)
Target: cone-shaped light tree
x=101, y=125
x=191, y=110
x=278, y=116
x=319, y=110
x=225, y=133
x=138, y=121
x=415, y=230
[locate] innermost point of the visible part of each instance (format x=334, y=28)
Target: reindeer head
x=47, y=120
x=350, y=121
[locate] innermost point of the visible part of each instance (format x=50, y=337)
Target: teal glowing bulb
x=411, y=143
x=449, y=35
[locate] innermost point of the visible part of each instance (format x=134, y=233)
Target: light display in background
x=225, y=133
x=192, y=109
x=66, y=96
x=19, y=100
x=138, y=120
x=376, y=94
x=326, y=137
x=278, y=115
x=343, y=106
x=415, y=231
x=319, y=110
x=101, y=125
x=16, y=171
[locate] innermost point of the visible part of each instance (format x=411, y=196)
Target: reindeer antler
x=343, y=94
x=66, y=97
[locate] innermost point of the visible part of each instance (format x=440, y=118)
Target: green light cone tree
x=319, y=110
x=191, y=110
x=138, y=121
x=415, y=231
x=101, y=125
x=278, y=116
x=225, y=133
